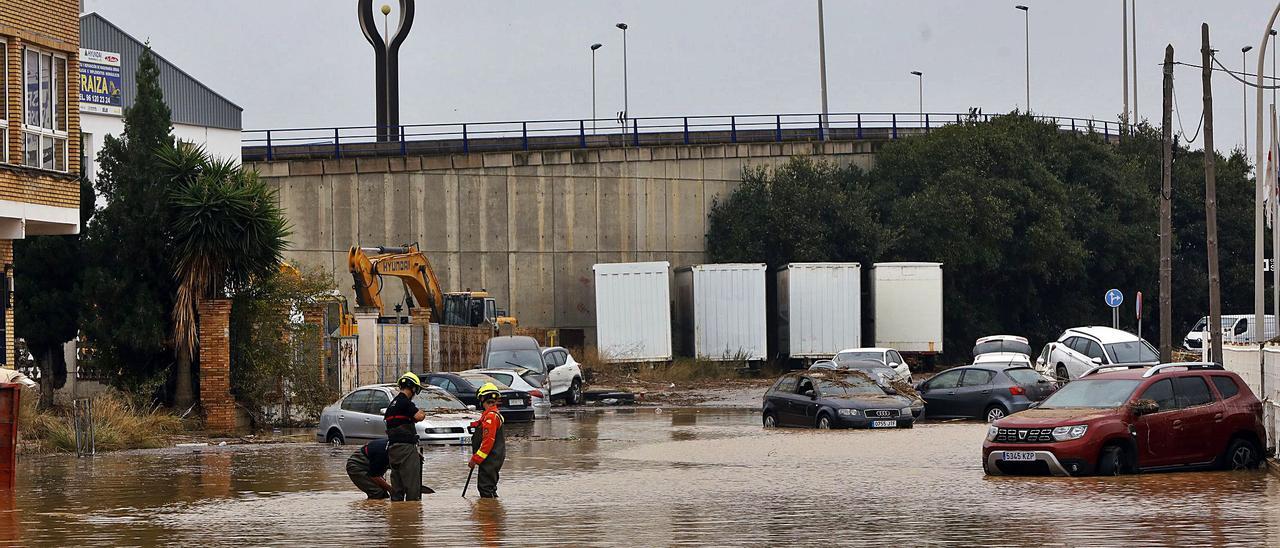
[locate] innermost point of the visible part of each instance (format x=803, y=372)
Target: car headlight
x=1066, y=433
x=905, y=411
x=992, y=431
x=848, y=412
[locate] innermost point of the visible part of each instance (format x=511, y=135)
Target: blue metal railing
x=465, y=138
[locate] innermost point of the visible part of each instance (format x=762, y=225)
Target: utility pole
x=822, y=68
x=1026, y=15
x=1244, y=96
x=1210, y=199
x=1166, y=215
x=1124, y=52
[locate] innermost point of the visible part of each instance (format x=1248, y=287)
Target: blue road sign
x=1114, y=298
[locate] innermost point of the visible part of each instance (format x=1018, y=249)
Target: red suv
x=1137, y=419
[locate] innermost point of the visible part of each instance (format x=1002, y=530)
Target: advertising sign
x=100, y=82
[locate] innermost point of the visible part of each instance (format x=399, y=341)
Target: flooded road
x=637, y=478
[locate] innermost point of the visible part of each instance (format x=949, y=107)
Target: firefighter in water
x=488, y=443
x=402, y=416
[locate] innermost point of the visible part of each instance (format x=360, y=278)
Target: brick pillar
x=420, y=319
x=313, y=315
x=215, y=365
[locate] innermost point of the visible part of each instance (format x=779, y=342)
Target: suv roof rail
x=1187, y=365
x=1098, y=368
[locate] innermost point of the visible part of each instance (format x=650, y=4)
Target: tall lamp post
x=920, y=80
x=822, y=69
x=594, y=47
x=626, y=108
x=1244, y=93
x=1026, y=12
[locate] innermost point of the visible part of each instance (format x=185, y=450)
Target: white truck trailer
x=819, y=309
x=720, y=312
x=633, y=311
x=907, y=302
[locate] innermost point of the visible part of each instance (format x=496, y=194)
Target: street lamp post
x=594, y=47
x=822, y=68
x=920, y=80
x=1124, y=52
x=1244, y=94
x=1026, y=12
x=626, y=108
x=1273, y=64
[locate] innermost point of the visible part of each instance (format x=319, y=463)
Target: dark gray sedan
x=983, y=391
x=828, y=399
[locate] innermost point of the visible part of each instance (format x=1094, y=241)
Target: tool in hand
x=468, y=484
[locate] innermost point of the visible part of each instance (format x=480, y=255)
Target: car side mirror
x=1096, y=361
x=1144, y=407
x=811, y=394
x=382, y=411
x=894, y=364
x=921, y=387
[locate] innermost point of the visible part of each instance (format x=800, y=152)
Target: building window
x=44, y=121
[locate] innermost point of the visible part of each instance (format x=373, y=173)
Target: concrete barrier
x=1259, y=367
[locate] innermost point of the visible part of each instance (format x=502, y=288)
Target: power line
x=1233, y=74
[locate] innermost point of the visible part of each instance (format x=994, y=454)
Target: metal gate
x=399, y=350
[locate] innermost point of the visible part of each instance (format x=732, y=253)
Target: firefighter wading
x=488, y=443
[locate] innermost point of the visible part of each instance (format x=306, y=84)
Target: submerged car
x=886, y=356
x=1080, y=349
x=526, y=381
x=515, y=405
x=561, y=377
x=357, y=417
x=1167, y=417
x=827, y=399
x=983, y=391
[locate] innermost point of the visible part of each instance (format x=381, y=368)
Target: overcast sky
x=304, y=63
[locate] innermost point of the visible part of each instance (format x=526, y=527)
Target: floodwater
x=637, y=478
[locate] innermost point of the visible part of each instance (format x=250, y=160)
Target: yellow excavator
x=470, y=308
x=346, y=320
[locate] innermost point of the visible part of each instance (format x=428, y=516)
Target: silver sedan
x=357, y=417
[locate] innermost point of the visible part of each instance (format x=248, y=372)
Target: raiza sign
x=100, y=82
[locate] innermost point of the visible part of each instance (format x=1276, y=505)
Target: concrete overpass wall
x=528, y=226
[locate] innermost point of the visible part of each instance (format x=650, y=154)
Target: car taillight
x=1017, y=390
x=535, y=393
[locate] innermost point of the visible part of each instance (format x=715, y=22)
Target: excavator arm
x=407, y=263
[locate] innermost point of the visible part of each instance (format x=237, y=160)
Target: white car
x=1002, y=344
x=1012, y=359
x=523, y=380
x=888, y=356
x=564, y=375
x=1080, y=349
x=357, y=417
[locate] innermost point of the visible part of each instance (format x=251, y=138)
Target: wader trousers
x=406, y=471
x=487, y=477
x=358, y=471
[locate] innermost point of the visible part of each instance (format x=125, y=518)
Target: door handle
x=1217, y=417
x=1177, y=423
x=340, y=417
x=987, y=391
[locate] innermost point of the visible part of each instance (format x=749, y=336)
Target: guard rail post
x=778, y=132
x=926, y=124
x=686, y=130
x=733, y=129
x=337, y=146
x=524, y=135
x=466, y=147
x=269, y=155
x=859, y=125
x=821, y=135
x=402, y=147
x=635, y=131
x=582, y=134
x=894, y=123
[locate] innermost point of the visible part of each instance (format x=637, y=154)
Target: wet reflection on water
x=637, y=477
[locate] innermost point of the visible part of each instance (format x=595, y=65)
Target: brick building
x=39, y=131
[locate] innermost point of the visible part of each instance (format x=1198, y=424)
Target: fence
x=1262, y=377
x=465, y=138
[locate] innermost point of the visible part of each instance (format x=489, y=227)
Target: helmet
x=488, y=391
x=410, y=380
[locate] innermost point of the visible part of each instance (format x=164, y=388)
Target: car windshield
x=1024, y=375
x=1095, y=393
x=479, y=380
x=1001, y=346
x=506, y=359
x=1200, y=325
x=1132, y=352
x=429, y=400
x=844, y=358
x=847, y=385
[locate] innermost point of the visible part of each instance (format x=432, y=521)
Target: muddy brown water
x=637, y=478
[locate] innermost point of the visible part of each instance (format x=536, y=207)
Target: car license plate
x=884, y=424
x=1019, y=456
x=516, y=402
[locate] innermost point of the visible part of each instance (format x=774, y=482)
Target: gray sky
x=304, y=63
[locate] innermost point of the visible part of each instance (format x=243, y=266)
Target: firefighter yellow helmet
x=410, y=380
x=488, y=391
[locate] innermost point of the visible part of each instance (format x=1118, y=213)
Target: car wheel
x=334, y=437
x=1111, y=463
x=770, y=421
x=824, y=422
x=1063, y=376
x=575, y=392
x=1241, y=454
x=995, y=413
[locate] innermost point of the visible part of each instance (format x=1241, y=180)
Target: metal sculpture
x=387, y=65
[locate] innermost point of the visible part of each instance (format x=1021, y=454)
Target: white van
x=1236, y=328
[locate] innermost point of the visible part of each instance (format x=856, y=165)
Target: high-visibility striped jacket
x=487, y=441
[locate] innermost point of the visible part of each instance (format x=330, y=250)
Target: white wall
x=221, y=143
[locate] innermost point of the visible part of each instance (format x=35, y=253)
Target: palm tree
x=227, y=229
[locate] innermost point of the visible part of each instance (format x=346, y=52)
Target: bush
x=117, y=425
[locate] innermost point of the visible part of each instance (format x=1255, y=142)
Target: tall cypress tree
x=129, y=285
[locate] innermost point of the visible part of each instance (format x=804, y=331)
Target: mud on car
x=1135, y=419
x=827, y=399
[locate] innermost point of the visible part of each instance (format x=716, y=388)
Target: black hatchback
x=828, y=399
x=515, y=406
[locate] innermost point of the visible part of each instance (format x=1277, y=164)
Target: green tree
x=47, y=297
x=227, y=230
x=129, y=286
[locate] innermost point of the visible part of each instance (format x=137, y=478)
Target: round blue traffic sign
x=1114, y=298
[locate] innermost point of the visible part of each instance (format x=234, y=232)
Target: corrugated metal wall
x=191, y=102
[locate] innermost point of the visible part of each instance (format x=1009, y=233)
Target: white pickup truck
x=1080, y=349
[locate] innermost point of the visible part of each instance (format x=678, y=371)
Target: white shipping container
x=907, y=300
x=633, y=311
x=720, y=312
x=819, y=309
